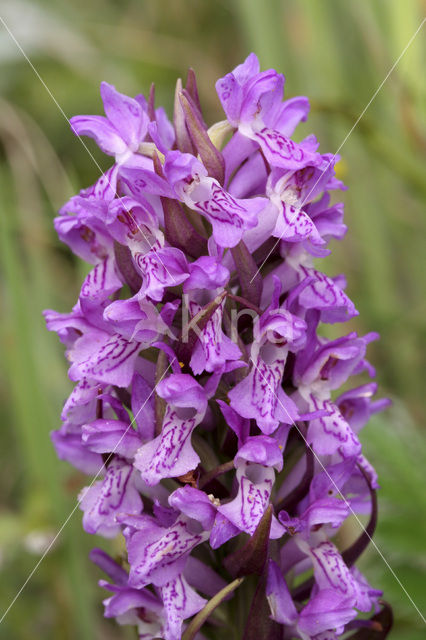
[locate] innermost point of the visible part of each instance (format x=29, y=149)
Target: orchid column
x=206, y=411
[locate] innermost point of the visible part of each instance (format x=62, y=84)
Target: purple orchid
x=205, y=400
x=260, y=394
x=123, y=128
x=171, y=454
x=155, y=615
x=103, y=500
x=229, y=216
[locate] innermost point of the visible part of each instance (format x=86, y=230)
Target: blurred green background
x=337, y=53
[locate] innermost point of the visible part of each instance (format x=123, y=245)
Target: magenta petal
x=111, y=361
x=202, y=577
x=328, y=610
x=332, y=433
x=101, y=130
x=254, y=487
x=326, y=295
x=230, y=88
x=260, y=396
x=213, y=348
x=231, y=95
x=171, y=453
x=292, y=112
x=100, y=283
x=102, y=501
x=103, y=436
x=222, y=531
x=294, y=225
x=142, y=181
x=69, y=447
x=109, y=566
x=229, y=216
x=143, y=407
x=125, y=114
x=278, y=596
x=180, y=602
x=332, y=573
x=281, y=151
x=262, y=450
x=158, y=554
x=194, y=504
x=161, y=268
x=206, y=273
x=126, y=603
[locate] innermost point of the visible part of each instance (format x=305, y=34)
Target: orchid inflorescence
x=204, y=402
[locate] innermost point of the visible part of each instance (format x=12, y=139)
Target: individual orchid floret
x=103, y=435
x=331, y=433
x=213, y=348
x=229, y=216
x=123, y=128
x=155, y=615
x=328, y=511
x=158, y=554
x=334, y=361
x=69, y=446
x=160, y=268
x=253, y=103
x=332, y=573
x=171, y=454
x=290, y=192
x=103, y=357
x=255, y=484
x=260, y=394
x=324, y=294
x=137, y=319
x=247, y=94
x=116, y=493
x=328, y=611
x=87, y=236
x=81, y=228
x=357, y=406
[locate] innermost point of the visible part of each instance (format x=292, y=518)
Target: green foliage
x=398, y=451
x=338, y=54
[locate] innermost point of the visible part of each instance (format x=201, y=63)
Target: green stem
x=197, y=622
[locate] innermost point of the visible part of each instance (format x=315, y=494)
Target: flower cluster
x=205, y=400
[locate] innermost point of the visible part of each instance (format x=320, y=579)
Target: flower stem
x=197, y=622
x=214, y=473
